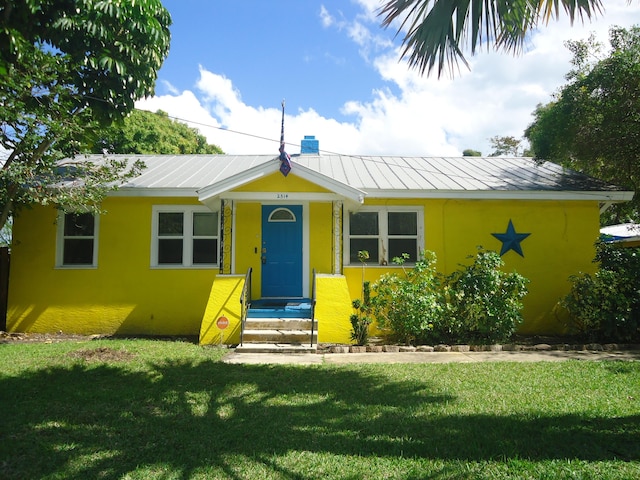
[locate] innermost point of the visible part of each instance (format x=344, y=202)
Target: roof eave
x=598, y=196
x=153, y=192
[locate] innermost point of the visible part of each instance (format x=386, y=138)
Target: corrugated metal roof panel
x=371, y=173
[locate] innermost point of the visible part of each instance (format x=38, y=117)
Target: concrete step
x=286, y=348
x=278, y=324
x=280, y=308
x=279, y=336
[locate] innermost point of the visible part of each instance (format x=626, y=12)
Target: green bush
x=478, y=303
x=484, y=303
x=409, y=305
x=361, y=320
x=605, y=306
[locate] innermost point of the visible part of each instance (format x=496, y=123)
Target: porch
x=279, y=325
x=288, y=325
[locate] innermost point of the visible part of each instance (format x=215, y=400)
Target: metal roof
x=379, y=176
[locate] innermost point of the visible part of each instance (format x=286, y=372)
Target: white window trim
x=187, y=237
x=383, y=231
x=60, y=243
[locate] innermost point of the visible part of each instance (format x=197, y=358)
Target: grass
x=138, y=409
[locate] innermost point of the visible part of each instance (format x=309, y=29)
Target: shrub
x=361, y=319
x=409, y=305
x=606, y=306
x=485, y=303
x=479, y=303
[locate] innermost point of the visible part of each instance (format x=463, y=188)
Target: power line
x=222, y=128
x=246, y=134
x=359, y=157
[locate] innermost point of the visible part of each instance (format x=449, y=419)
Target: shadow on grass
x=90, y=421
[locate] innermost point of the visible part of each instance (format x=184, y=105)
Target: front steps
x=286, y=348
x=284, y=335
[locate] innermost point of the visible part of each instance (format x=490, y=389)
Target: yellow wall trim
x=224, y=301
x=333, y=308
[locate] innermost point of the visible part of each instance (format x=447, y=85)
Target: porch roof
x=372, y=176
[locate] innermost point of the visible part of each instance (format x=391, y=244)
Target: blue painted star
x=511, y=240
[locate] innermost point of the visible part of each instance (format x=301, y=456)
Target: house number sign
x=282, y=196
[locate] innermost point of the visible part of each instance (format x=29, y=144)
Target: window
x=384, y=233
x=184, y=237
x=364, y=234
x=282, y=215
x=77, y=240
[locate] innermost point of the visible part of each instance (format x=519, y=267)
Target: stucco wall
x=125, y=295
x=560, y=244
x=122, y=295
x=248, y=242
x=321, y=237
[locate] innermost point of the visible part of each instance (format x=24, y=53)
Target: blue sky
x=232, y=63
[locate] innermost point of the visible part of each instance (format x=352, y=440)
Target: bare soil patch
x=102, y=354
x=17, y=337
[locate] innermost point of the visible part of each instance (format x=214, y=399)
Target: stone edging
x=510, y=347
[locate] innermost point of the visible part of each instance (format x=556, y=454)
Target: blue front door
x=282, y=251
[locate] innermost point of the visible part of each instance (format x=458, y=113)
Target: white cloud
x=416, y=115
x=325, y=17
x=217, y=110
x=169, y=88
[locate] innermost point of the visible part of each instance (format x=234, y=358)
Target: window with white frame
x=385, y=233
x=184, y=236
x=77, y=244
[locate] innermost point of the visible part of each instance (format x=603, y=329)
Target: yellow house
x=199, y=245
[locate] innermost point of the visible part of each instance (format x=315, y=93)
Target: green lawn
x=152, y=409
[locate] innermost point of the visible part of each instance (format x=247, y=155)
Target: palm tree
x=438, y=30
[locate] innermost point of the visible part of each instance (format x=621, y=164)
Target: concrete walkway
x=428, y=357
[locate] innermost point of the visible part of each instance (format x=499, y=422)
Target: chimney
x=309, y=144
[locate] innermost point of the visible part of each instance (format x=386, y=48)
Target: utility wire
x=364, y=157
x=360, y=157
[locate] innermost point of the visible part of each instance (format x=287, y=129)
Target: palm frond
x=439, y=30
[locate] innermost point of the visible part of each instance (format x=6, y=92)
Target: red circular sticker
x=222, y=323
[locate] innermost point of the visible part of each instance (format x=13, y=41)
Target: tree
x=507, y=146
x=438, y=30
x=66, y=66
x=145, y=132
x=593, y=124
x=469, y=152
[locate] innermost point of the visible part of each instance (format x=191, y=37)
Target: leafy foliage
x=439, y=30
x=6, y=234
x=478, y=303
x=507, y=146
x=606, y=305
x=361, y=319
x=410, y=305
x=145, y=132
x=66, y=66
x=469, y=152
x=593, y=123
x=484, y=304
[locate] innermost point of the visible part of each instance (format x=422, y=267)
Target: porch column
x=226, y=213
x=337, y=237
